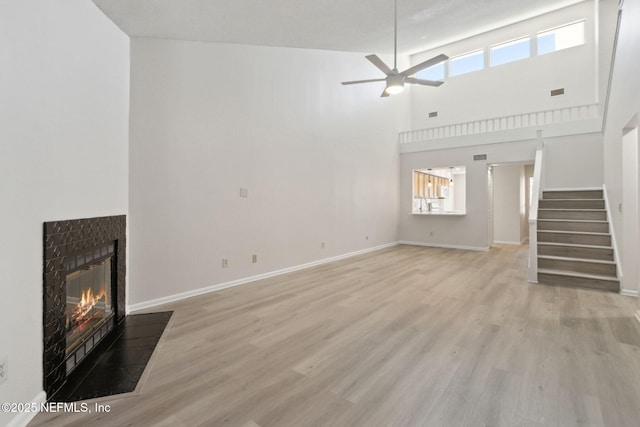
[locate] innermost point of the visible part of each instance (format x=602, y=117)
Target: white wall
x=624, y=106
x=460, y=192
x=64, y=85
x=508, y=203
x=573, y=162
x=517, y=87
x=608, y=17
x=319, y=160
x=630, y=243
x=470, y=230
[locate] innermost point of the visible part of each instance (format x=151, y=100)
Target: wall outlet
x=254, y=258
x=322, y=245
x=431, y=233
x=225, y=263
x=366, y=237
x=4, y=369
x=244, y=192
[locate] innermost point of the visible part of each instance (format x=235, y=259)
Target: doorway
x=490, y=205
x=509, y=196
x=630, y=217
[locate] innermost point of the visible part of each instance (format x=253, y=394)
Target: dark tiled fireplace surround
x=62, y=241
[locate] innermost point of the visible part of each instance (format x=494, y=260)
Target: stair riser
x=584, y=194
x=572, y=252
x=578, y=239
x=604, y=285
x=579, y=215
x=591, y=227
x=571, y=204
x=585, y=267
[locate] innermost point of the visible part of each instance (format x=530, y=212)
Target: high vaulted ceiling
x=345, y=25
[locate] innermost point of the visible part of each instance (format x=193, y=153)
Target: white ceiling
x=346, y=25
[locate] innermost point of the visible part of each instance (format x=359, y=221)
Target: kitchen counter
x=438, y=213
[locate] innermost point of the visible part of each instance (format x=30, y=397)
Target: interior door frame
x=630, y=211
x=490, y=214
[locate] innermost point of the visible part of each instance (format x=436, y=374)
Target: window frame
x=550, y=30
x=444, y=72
x=507, y=43
x=465, y=55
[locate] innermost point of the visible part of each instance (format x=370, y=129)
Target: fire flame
x=86, y=304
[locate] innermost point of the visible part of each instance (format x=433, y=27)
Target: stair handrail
x=605, y=106
x=536, y=191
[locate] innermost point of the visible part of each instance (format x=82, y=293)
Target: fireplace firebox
x=89, y=299
x=84, y=290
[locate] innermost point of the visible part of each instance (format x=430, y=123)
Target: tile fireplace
x=84, y=291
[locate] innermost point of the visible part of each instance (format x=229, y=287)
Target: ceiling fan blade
x=384, y=93
x=423, y=82
x=378, y=63
x=426, y=64
x=355, y=82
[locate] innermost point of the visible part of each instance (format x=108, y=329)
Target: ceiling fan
x=395, y=79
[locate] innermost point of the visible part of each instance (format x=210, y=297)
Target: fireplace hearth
x=84, y=291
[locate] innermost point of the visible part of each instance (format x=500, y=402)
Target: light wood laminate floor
x=406, y=336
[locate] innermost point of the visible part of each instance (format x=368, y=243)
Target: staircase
x=574, y=244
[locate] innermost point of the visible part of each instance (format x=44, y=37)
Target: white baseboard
x=507, y=242
x=439, y=245
x=24, y=418
x=638, y=315
x=183, y=295
x=629, y=293
x=612, y=231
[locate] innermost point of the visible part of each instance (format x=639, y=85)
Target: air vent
x=479, y=157
x=433, y=114
x=556, y=92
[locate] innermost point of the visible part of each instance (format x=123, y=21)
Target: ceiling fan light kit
x=395, y=84
x=395, y=80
